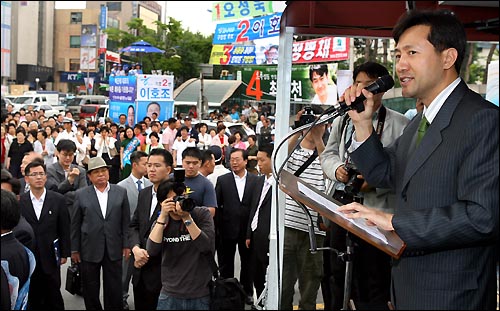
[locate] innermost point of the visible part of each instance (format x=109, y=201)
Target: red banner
x=325, y=49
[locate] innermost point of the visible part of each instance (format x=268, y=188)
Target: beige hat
x=95, y=163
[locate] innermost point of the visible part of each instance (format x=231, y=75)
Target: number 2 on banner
x=254, y=80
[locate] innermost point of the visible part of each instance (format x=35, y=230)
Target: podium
x=387, y=241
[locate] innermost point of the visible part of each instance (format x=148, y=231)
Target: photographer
x=371, y=272
x=300, y=263
x=183, y=233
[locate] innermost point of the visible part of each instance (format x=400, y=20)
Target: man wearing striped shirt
x=300, y=264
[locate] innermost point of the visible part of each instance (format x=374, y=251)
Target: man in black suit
x=14, y=255
x=51, y=223
x=99, y=236
x=259, y=222
x=234, y=195
x=146, y=277
x=22, y=231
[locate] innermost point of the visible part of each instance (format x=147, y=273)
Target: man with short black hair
x=201, y=189
x=51, y=224
x=207, y=163
x=146, y=278
x=17, y=260
x=134, y=183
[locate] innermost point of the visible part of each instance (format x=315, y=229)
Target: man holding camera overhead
x=371, y=270
x=300, y=263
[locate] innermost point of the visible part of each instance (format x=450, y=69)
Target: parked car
x=93, y=112
x=74, y=105
x=49, y=109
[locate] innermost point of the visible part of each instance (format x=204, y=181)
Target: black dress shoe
x=249, y=300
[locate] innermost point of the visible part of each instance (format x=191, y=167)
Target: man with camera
x=371, y=268
x=183, y=234
x=300, y=263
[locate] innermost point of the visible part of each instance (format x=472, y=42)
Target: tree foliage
x=184, y=50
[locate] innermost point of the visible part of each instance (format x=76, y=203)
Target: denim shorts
x=166, y=302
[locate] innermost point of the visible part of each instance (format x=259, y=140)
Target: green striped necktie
x=422, y=128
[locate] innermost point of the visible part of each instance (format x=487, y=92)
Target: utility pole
x=200, y=102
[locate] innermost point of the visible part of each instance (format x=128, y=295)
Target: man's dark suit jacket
x=232, y=221
x=260, y=237
x=24, y=233
x=54, y=223
x=13, y=251
x=447, y=204
x=91, y=232
x=140, y=227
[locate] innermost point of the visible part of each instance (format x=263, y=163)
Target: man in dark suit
x=234, y=195
x=146, y=278
x=22, y=231
x=259, y=222
x=99, y=236
x=51, y=223
x=445, y=176
x=16, y=261
x=27, y=159
x=135, y=182
x=64, y=176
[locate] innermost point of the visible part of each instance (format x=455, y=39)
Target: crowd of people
x=149, y=204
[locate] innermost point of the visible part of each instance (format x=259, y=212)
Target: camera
x=307, y=117
x=353, y=185
x=187, y=204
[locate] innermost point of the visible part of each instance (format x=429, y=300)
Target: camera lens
x=187, y=204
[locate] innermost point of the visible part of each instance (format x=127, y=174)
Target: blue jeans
x=166, y=302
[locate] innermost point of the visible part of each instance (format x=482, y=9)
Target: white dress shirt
x=102, y=197
x=38, y=203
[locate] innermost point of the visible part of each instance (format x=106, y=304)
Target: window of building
x=113, y=22
x=74, y=41
x=74, y=64
x=76, y=18
x=114, y=6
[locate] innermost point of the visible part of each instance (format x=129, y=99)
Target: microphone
x=382, y=84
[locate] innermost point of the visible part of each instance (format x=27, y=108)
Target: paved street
x=75, y=302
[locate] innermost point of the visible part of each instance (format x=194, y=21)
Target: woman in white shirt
x=45, y=147
x=204, y=139
x=106, y=148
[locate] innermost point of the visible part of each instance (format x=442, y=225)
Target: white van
x=32, y=98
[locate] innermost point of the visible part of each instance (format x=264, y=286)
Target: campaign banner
x=261, y=83
x=248, y=29
x=240, y=9
x=122, y=88
x=155, y=87
x=87, y=58
x=88, y=36
x=326, y=49
x=163, y=109
x=155, y=93
x=265, y=52
x=116, y=108
x=233, y=55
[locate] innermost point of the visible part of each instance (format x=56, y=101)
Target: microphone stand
x=347, y=256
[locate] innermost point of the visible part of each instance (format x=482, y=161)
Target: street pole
x=88, y=70
x=200, y=106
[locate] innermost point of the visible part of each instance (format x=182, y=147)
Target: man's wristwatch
x=188, y=222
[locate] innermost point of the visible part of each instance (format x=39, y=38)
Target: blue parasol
x=141, y=47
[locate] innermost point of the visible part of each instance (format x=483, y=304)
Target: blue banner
x=122, y=88
x=164, y=109
x=248, y=29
